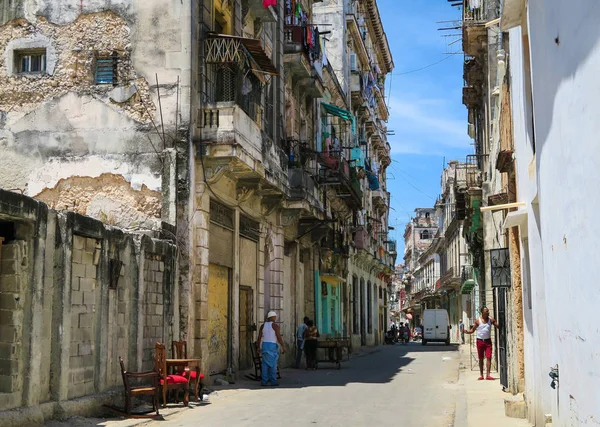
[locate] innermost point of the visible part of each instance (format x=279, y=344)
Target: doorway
x=247, y=326
x=218, y=310
x=363, y=335
x=502, y=357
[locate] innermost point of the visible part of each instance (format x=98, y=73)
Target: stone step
x=514, y=406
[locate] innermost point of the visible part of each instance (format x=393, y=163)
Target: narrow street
x=407, y=384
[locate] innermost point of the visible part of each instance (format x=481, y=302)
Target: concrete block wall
x=83, y=306
x=13, y=274
x=154, y=266
x=67, y=313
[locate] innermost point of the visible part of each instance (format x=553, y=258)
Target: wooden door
x=247, y=326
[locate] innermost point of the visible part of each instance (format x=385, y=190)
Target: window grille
x=249, y=228
x=221, y=214
x=31, y=61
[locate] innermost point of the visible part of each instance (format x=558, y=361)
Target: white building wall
x=561, y=232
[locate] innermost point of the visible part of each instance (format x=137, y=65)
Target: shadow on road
x=376, y=366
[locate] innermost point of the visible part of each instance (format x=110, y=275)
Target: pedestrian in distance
x=310, y=345
x=483, y=326
x=300, y=342
x=269, y=335
x=461, y=328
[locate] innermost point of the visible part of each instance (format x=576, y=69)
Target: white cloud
x=426, y=126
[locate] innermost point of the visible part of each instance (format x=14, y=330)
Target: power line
x=416, y=188
x=422, y=68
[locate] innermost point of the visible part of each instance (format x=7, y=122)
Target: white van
x=436, y=326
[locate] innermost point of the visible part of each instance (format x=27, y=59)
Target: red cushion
x=192, y=375
x=174, y=379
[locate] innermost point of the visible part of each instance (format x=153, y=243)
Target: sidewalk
x=480, y=403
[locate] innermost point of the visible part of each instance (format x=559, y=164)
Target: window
x=31, y=61
x=425, y=234
x=426, y=214
x=105, y=70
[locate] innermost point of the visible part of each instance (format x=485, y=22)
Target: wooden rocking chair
x=257, y=359
x=132, y=390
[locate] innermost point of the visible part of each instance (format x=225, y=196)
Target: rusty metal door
x=247, y=326
x=218, y=311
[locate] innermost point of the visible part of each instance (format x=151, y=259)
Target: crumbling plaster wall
x=61, y=125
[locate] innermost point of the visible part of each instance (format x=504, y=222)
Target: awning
x=340, y=112
x=253, y=50
x=467, y=286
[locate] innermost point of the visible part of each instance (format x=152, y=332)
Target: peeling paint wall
x=59, y=127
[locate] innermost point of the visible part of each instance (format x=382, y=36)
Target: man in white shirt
x=483, y=326
x=300, y=342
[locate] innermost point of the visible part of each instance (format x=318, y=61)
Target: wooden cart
x=335, y=351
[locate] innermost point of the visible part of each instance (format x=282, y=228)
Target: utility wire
x=422, y=68
x=415, y=187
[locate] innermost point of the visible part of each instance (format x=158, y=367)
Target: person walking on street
x=300, y=342
x=461, y=328
x=483, y=326
x=269, y=335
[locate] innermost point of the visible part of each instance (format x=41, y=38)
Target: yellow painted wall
x=218, y=294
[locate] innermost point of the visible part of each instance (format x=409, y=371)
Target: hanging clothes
x=373, y=181
x=267, y=3
x=474, y=4
x=358, y=155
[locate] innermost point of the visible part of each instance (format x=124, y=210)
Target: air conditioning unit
x=353, y=62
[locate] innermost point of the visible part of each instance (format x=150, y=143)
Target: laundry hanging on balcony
x=373, y=181
x=267, y=3
x=340, y=112
x=358, y=155
x=474, y=4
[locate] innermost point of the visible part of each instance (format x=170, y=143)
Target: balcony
x=357, y=90
x=468, y=279
x=380, y=199
x=337, y=172
x=334, y=267
x=382, y=109
x=299, y=64
x=448, y=279
x=260, y=12
x=474, y=31
x=233, y=142
x=359, y=42
x=361, y=239
x=304, y=194
x=473, y=72
x=471, y=96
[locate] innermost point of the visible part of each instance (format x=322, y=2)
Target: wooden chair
x=179, y=351
x=169, y=381
x=257, y=359
x=134, y=390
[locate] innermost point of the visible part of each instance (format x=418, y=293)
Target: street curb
x=460, y=407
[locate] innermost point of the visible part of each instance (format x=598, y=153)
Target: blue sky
x=426, y=112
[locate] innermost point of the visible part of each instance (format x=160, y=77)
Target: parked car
x=436, y=325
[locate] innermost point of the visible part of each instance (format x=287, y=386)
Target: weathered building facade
x=223, y=128
x=359, y=54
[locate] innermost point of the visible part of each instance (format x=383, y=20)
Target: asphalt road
x=400, y=385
